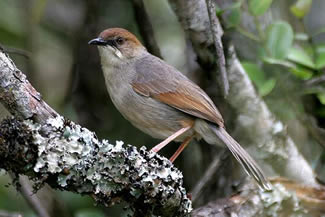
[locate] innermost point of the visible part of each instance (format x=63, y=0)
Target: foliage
x=280, y=47
x=50, y=33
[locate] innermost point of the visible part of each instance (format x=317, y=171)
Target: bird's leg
x=181, y=147
x=170, y=138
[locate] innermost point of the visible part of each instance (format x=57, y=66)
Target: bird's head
x=118, y=44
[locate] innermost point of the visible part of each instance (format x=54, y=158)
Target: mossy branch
x=41, y=144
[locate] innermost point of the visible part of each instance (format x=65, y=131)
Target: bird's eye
x=120, y=41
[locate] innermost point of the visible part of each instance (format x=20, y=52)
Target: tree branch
x=315, y=81
x=145, y=27
x=33, y=201
x=19, y=96
x=267, y=136
x=194, y=18
x=204, y=35
x=217, y=33
x=68, y=157
x=207, y=176
x=9, y=214
x=287, y=199
x=23, y=101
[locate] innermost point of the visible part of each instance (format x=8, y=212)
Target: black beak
x=98, y=42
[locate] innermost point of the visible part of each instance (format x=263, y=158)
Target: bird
x=161, y=101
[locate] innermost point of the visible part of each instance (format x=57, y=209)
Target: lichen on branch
x=69, y=157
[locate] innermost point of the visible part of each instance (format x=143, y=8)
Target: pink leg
x=181, y=148
x=170, y=138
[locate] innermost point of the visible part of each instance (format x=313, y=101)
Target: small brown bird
x=162, y=102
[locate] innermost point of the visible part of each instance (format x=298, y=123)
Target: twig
x=207, y=176
x=217, y=33
x=317, y=132
x=44, y=202
x=31, y=198
x=145, y=27
x=18, y=51
x=248, y=34
x=221, y=208
x=9, y=214
x=315, y=81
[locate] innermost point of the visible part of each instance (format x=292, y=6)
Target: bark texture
x=264, y=135
x=50, y=149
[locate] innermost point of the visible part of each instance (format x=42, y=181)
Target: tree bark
x=266, y=136
x=50, y=149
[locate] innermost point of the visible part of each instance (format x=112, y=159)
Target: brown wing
x=162, y=82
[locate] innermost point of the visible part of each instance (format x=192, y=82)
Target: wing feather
x=175, y=89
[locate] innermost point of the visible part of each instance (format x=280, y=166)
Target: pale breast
x=149, y=115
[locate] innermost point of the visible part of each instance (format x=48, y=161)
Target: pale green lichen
x=280, y=199
x=278, y=202
x=278, y=127
x=78, y=158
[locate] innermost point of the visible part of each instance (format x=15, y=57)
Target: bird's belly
x=149, y=115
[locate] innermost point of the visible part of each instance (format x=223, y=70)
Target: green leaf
x=234, y=5
x=90, y=213
x=267, y=87
x=258, y=7
x=273, y=61
x=298, y=55
x=279, y=39
x=219, y=11
x=234, y=15
x=301, y=8
x=321, y=112
x=321, y=97
x=302, y=72
x=320, y=56
x=12, y=23
x=255, y=73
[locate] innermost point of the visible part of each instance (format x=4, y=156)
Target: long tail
x=243, y=158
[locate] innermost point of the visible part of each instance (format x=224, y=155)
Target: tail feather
x=243, y=158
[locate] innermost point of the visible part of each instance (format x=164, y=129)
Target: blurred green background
x=52, y=35
x=48, y=39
